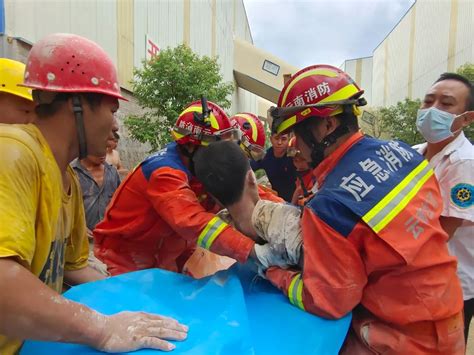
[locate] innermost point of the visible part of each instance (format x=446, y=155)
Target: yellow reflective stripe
x=176, y=135
x=324, y=72
x=286, y=124
x=379, y=206
x=397, y=199
x=212, y=118
x=211, y=232
x=341, y=94
x=252, y=124
x=295, y=292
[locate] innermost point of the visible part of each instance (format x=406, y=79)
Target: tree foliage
x=467, y=70
x=372, y=124
x=166, y=84
x=400, y=121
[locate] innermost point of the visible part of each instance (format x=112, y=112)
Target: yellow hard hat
x=11, y=74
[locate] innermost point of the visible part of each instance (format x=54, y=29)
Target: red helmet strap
x=81, y=131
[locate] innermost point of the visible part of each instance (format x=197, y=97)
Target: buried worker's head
x=225, y=172
x=320, y=104
x=16, y=103
x=201, y=123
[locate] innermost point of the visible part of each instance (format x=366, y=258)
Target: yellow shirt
x=41, y=226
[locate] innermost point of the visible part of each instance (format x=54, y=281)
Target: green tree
x=372, y=124
x=166, y=84
x=467, y=70
x=400, y=121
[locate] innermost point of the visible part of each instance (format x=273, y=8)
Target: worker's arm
x=80, y=276
x=177, y=204
x=279, y=225
x=31, y=310
x=333, y=275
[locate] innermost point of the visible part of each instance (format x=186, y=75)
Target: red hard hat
x=63, y=62
x=323, y=85
x=189, y=128
x=253, y=134
x=251, y=127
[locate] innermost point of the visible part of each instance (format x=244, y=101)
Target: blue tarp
x=232, y=312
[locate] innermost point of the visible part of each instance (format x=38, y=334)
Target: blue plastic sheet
x=232, y=312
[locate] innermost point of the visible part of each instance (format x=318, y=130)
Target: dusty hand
x=130, y=331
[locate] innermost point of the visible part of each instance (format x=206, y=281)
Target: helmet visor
x=253, y=151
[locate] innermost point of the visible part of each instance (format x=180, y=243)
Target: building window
x=271, y=67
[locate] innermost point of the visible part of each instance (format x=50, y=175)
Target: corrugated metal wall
x=434, y=36
x=360, y=69
x=120, y=27
x=94, y=19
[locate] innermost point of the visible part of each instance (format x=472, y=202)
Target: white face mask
x=434, y=124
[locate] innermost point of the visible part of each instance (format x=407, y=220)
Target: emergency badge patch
x=462, y=195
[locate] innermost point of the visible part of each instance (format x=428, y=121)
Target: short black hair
x=222, y=168
x=44, y=110
x=465, y=81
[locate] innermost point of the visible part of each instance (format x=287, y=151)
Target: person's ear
x=331, y=124
x=467, y=118
x=462, y=121
x=251, y=178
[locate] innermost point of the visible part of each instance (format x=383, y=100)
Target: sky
x=305, y=32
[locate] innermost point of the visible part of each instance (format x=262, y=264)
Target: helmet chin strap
x=318, y=148
x=190, y=156
x=81, y=131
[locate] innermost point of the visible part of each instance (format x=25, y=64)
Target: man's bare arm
x=31, y=310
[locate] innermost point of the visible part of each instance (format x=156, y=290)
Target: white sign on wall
x=152, y=49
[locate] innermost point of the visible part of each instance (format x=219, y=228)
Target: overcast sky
x=304, y=32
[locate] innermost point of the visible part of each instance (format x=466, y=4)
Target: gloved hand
x=279, y=225
x=130, y=331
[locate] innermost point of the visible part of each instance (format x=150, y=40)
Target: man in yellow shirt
x=43, y=237
x=16, y=102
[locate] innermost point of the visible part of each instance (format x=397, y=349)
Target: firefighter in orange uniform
x=252, y=143
x=160, y=213
x=372, y=240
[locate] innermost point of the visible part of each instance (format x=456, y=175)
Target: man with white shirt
x=447, y=108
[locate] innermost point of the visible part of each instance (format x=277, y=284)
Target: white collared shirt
x=454, y=169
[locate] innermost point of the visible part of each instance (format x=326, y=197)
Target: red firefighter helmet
x=192, y=126
x=253, y=134
x=318, y=90
x=64, y=62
